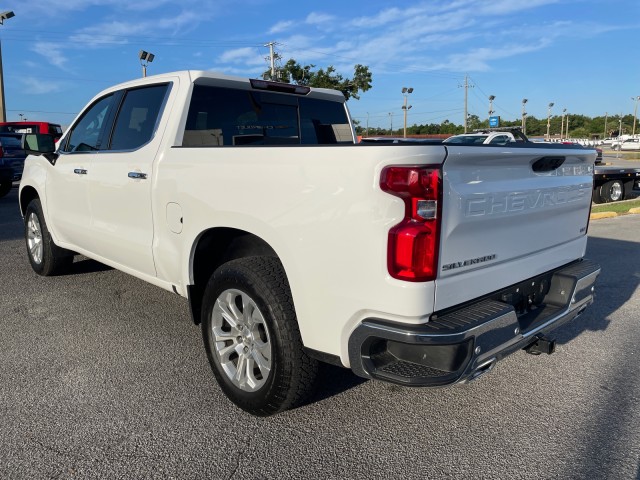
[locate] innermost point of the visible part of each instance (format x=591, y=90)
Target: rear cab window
x=220, y=116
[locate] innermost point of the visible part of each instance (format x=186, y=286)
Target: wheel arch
x=214, y=247
x=27, y=194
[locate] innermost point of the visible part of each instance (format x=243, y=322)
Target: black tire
x=262, y=286
x=611, y=191
x=45, y=256
x=5, y=188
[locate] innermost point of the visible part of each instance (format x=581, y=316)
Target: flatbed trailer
x=612, y=184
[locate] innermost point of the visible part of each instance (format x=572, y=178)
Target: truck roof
x=204, y=77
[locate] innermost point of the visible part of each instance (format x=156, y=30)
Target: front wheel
x=45, y=256
x=251, y=336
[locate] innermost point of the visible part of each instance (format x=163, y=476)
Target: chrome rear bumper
x=464, y=343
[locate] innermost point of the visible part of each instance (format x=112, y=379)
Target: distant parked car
x=11, y=160
x=482, y=138
x=32, y=127
x=630, y=144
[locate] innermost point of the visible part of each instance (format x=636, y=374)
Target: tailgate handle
x=547, y=164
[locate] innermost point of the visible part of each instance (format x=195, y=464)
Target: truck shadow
x=618, y=280
x=332, y=381
x=11, y=226
x=86, y=265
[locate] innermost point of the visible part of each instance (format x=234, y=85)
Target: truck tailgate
x=502, y=207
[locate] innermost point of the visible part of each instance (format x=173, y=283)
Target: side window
x=87, y=134
x=137, y=117
x=499, y=140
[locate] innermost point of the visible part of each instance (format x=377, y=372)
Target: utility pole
x=604, y=135
x=619, y=137
x=3, y=112
x=391, y=120
x=466, y=90
x=272, y=59
x=567, y=135
x=635, y=114
x=405, y=92
x=466, y=87
x=524, y=116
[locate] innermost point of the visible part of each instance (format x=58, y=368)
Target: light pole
x=524, y=116
x=491, y=99
x=145, y=59
x=549, y=119
x=406, y=91
x=3, y=112
x=391, y=120
x=564, y=110
x=606, y=114
x=635, y=114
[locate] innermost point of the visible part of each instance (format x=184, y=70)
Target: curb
x=599, y=215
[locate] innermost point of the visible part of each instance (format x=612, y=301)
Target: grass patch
x=618, y=207
x=626, y=155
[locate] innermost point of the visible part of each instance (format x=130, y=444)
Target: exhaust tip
x=483, y=369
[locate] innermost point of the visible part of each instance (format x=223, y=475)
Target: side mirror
x=40, y=144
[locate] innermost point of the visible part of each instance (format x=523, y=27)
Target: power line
x=41, y=111
x=403, y=67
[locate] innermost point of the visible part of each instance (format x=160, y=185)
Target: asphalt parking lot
x=105, y=376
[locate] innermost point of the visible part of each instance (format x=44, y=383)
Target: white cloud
x=242, y=60
x=239, y=55
x=315, y=18
x=56, y=7
x=36, y=86
x=120, y=32
x=477, y=60
x=281, y=26
x=52, y=53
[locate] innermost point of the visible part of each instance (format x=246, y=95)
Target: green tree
x=294, y=72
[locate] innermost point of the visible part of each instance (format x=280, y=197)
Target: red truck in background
x=32, y=127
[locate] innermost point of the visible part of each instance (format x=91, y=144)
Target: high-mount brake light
x=279, y=87
x=412, y=250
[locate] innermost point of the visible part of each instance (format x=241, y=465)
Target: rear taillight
x=412, y=251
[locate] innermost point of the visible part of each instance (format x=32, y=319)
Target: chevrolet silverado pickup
x=417, y=264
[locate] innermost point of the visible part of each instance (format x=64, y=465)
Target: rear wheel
x=611, y=191
x=45, y=256
x=251, y=336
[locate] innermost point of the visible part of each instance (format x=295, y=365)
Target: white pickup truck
x=421, y=265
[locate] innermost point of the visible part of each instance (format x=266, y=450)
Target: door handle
x=80, y=171
x=138, y=175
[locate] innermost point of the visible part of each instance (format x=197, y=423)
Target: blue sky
x=579, y=54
